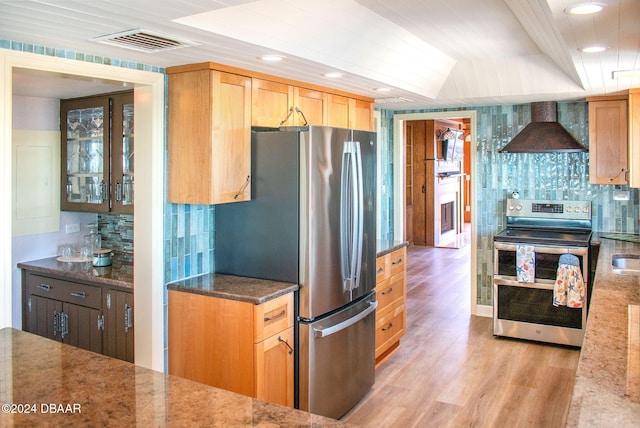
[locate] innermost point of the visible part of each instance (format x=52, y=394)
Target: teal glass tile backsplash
x=535, y=176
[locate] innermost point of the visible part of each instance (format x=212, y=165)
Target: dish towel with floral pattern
x=525, y=263
x=568, y=290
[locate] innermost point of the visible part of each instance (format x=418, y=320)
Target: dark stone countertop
x=88, y=389
x=606, y=392
x=119, y=274
x=386, y=246
x=244, y=289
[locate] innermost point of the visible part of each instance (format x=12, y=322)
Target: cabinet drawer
x=398, y=261
x=389, y=328
x=273, y=316
x=383, y=268
x=390, y=291
x=64, y=291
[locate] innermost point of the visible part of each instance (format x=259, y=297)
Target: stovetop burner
x=544, y=237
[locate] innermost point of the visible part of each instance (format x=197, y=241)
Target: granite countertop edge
x=240, y=288
x=75, y=272
x=606, y=390
x=388, y=246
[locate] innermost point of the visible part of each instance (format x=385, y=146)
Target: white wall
x=41, y=114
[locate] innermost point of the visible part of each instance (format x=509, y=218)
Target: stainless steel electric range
x=548, y=229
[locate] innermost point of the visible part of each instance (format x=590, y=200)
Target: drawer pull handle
x=56, y=323
x=387, y=291
x=397, y=262
x=281, y=340
x=45, y=287
x=79, y=294
x=280, y=315
x=128, y=318
x=389, y=327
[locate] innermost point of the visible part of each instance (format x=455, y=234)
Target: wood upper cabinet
x=608, y=142
x=312, y=105
x=614, y=139
x=275, y=104
x=338, y=111
x=271, y=104
x=362, y=115
x=209, y=129
x=233, y=345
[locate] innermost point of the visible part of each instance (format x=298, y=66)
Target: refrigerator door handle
x=351, y=215
x=328, y=331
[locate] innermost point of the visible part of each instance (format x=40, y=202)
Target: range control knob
x=569, y=209
x=518, y=207
x=585, y=209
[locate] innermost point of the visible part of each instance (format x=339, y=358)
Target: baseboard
x=484, y=311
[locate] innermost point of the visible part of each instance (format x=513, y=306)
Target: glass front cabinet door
x=97, y=153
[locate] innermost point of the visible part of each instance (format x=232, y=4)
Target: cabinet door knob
x=387, y=291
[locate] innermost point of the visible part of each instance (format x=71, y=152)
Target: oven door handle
x=579, y=251
x=540, y=284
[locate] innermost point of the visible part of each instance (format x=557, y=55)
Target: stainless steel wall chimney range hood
x=544, y=134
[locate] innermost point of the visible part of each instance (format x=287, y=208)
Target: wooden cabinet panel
x=608, y=160
x=209, y=137
x=118, y=324
x=271, y=103
x=390, y=328
x=274, y=368
x=233, y=345
x=338, y=111
x=362, y=115
x=97, y=156
x=312, y=104
x=391, y=295
x=92, y=317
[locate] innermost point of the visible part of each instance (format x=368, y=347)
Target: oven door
x=525, y=310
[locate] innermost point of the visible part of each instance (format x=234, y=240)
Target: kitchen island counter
x=606, y=392
x=61, y=385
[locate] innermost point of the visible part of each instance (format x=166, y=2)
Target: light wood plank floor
x=450, y=370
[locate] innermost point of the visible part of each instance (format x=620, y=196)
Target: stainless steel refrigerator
x=311, y=221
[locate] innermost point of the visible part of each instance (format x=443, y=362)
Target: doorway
x=402, y=151
x=148, y=270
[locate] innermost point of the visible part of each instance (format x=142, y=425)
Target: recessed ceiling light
x=593, y=49
x=584, y=8
x=625, y=74
x=382, y=89
x=271, y=58
x=333, y=74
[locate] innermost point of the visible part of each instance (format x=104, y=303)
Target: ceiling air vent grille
x=392, y=100
x=143, y=41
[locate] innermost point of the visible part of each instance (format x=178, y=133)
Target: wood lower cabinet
x=209, y=136
x=234, y=345
x=65, y=311
x=118, y=337
x=82, y=315
x=391, y=295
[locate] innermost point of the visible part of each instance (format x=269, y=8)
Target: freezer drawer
x=336, y=360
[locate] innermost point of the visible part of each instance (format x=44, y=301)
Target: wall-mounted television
x=452, y=145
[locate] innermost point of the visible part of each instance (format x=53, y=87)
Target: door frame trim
x=149, y=100
x=399, y=165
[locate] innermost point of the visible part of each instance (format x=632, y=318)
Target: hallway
x=450, y=370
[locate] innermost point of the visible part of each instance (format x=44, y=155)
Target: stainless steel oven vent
x=143, y=41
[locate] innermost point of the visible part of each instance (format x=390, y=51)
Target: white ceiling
x=430, y=53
